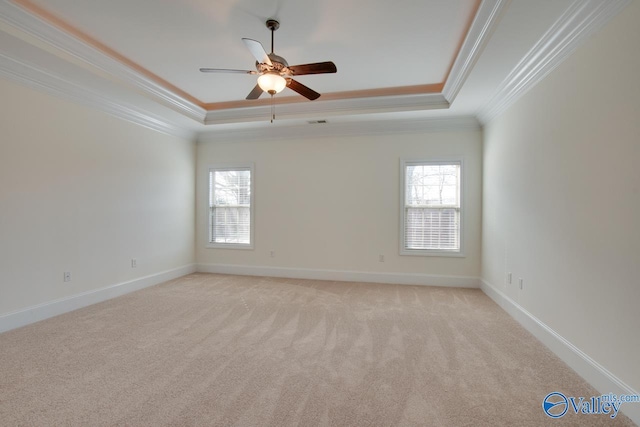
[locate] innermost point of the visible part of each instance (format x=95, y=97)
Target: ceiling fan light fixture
x=272, y=83
x=274, y=72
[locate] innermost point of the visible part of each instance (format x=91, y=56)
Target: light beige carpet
x=226, y=350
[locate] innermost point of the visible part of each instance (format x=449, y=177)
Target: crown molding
x=36, y=78
x=581, y=20
x=340, y=129
x=21, y=19
x=382, y=104
x=486, y=18
x=485, y=22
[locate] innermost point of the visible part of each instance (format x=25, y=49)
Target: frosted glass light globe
x=272, y=83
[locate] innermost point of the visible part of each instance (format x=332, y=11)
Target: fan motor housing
x=280, y=65
x=278, y=60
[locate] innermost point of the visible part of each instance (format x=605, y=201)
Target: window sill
x=229, y=246
x=432, y=253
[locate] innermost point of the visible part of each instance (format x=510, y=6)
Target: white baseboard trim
x=592, y=372
x=49, y=309
x=341, y=275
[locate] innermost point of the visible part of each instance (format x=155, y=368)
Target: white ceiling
x=373, y=47
x=141, y=57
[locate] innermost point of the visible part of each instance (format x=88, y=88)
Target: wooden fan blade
x=225, y=70
x=308, y=93
x=258, y=52
x=255, y=93
x=316, y=68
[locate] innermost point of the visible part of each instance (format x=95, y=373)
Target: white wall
x=333, y=203
x=85, y=192
x=561, y=199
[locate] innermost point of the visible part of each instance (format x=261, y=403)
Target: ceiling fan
x=274, y=72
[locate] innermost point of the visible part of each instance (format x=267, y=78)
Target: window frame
x=403, y=173
x=231, y=167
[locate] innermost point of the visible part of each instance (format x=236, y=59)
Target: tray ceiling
x=409, y=62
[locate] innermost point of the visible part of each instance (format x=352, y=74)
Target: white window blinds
x=230, y=206
x=431, y=211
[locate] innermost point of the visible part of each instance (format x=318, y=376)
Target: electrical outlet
x=521, y=282
x=67, y=276
x=134, y=263
x=381, y=258
x=272, y=254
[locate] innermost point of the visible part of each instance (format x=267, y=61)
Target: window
x=431, y=203
x=231, y=207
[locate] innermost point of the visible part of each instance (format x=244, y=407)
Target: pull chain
x=273, y=110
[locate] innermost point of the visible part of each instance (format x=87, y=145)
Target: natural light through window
x=230, y=206
x=431, y=207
